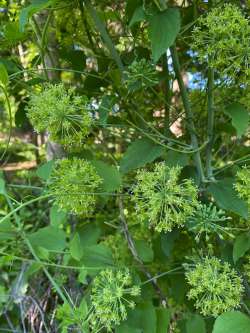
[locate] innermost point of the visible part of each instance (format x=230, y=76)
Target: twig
x=133, y=250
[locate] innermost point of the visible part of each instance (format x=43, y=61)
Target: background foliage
x=125, y=182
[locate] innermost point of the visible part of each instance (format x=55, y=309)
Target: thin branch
x=133, y=250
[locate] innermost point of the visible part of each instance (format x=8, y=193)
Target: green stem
x=104, y=34
x=210, y=122
x=188, y=111
x=32, y=251
x=10, y=119
x=38, y=35
x=13, y=211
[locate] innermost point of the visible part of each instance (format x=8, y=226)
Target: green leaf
x=104, y=108
x=226, y=197
x=163, y=320
x=148, y=317
x=175, y=158
x=167, y=242
x=42, y=252
x=163, y=29
x=30, y=10
x=4, y=77
x=45, y=169
x=89, y=234
x=49, y=238
x=240, y=117
x=241, y=246
x=2, y=186
x=144, y=251
x=232, y=322
x=195, y=323
x=82, y=277
x=75, y=248
x=110, y=175
x=57, y=217
x=7, y=231
x=123, y=328
x=138, y=16
x=97, y=256
x=139, y=153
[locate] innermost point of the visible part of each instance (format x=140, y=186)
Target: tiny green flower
x=111, y=296
x=207, y=220
x=215, y=287
x=141, y=74
x=119, y=247
x=222, y=38
x=60, y=112
x=73, y=184
x=247, y=269
x=162, y=200
x=242, y=185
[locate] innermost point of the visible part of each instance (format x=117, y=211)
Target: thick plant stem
x=104, y=34
x=210, y=122
x=188, y=111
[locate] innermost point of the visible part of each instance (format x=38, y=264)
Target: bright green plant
x=73, y=185
x=243, y=184
x=215, y=287
x=208, y=220
x=110, y=298
x=134, y=117
x=59, y=111
x=221, y=39
x=162, y=200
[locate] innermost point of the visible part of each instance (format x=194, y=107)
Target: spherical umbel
x=162, y=200
x=59, y=111
x=222, y=39
x=111, y=295
x=215, y=287
x=73, y=184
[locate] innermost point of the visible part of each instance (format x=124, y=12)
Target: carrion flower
x=162, y=200
x=208, y=219
x=73, y=184
x=60, y=112
x=215, y=287
x=222, y=39
x=111, y=296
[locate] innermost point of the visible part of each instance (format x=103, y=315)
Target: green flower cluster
x=162, y=200
x=119, y=247
x=222, y=38
x=207, y=220
x=60, y=112
x=110, y=297
x=243, y=184
x=141, y=74
x=247, y=269
x=215, y=287
x=73, y=183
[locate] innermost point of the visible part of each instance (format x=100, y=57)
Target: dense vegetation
x=125, y=179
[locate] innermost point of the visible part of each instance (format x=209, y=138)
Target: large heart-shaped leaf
x=163, y=29
x=232, y=322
